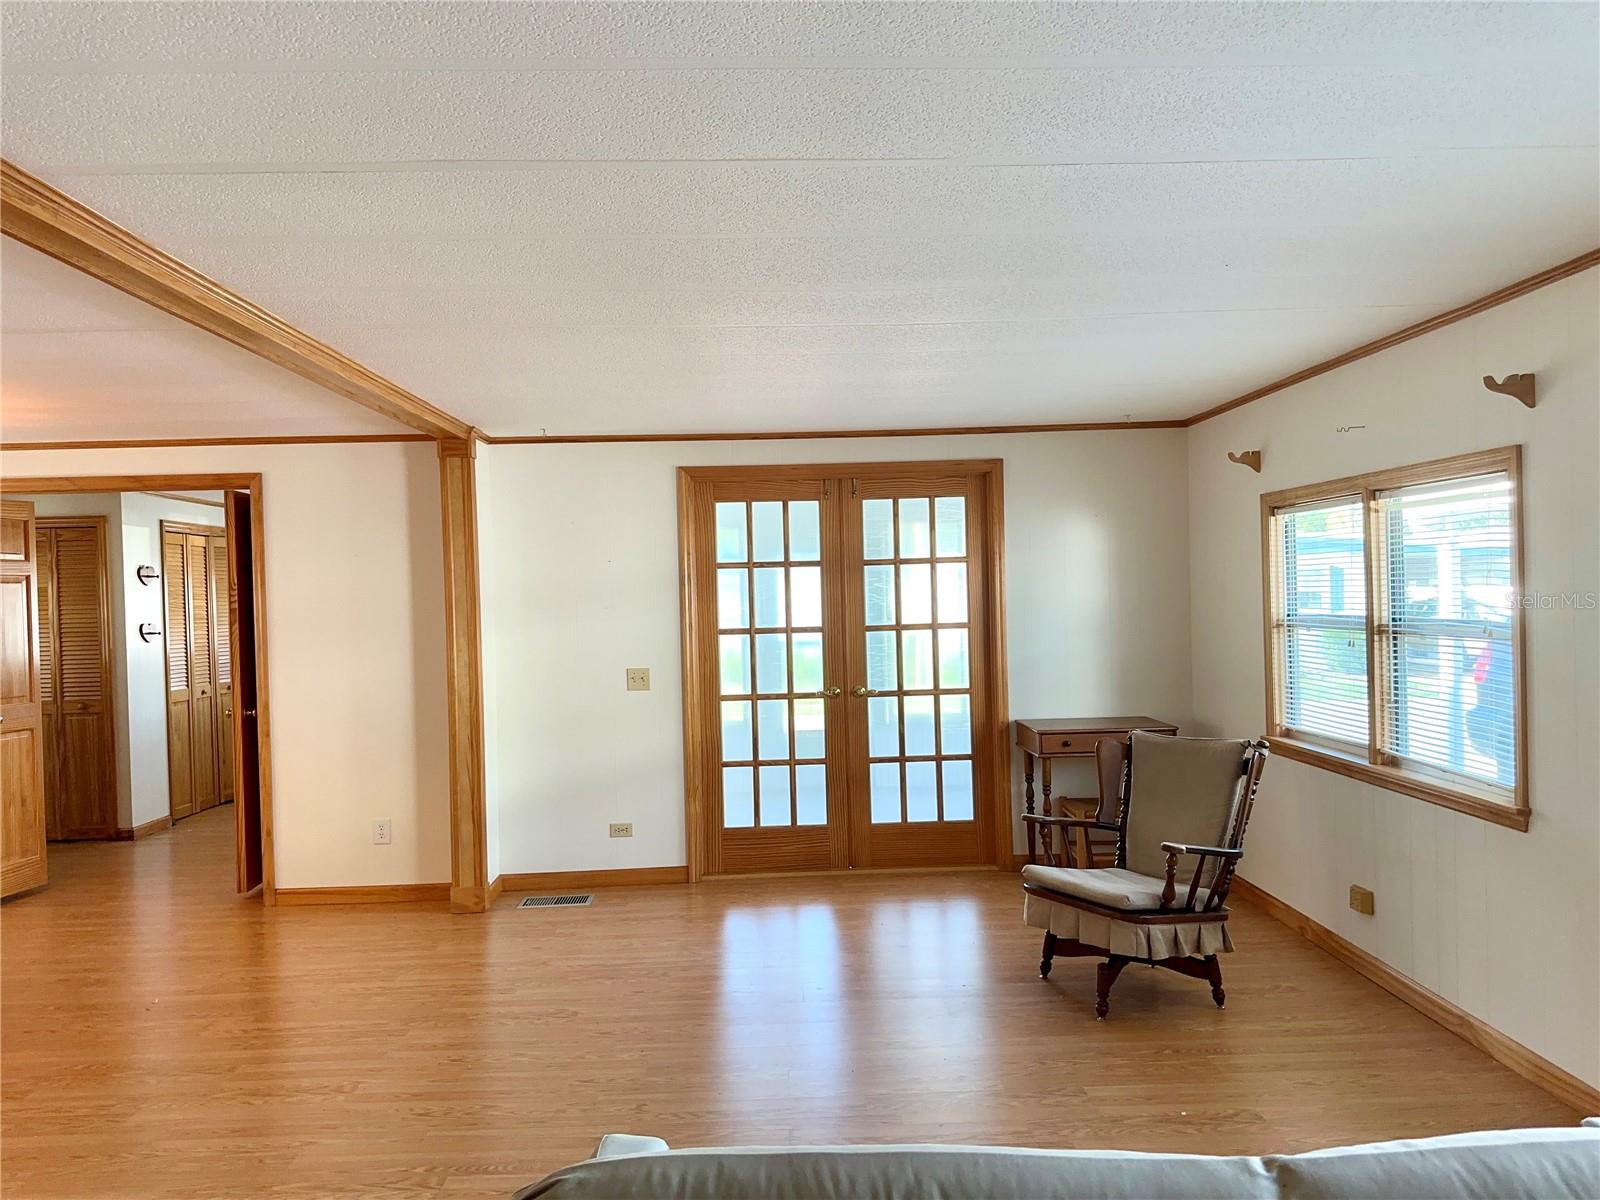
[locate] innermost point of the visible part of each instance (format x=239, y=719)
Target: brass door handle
x=863, y=691
x=830, y=692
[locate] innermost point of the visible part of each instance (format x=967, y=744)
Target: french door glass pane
x=772, y=663
x=919, y=725
x=736, y=739
x=773, y=716
x=919, y=742
x=769, y=613
x=810, y=736
x=769, y=597
x=738, y=798
x=766, y=530
x=733, y=598
x=877, y=529
x=885, y=793
x=731, y=533
x=811, y=794
x=805, y=534
x=916, y=594
x=922, y=791
x=958, y=789
x=805, y=583
x=775, y=796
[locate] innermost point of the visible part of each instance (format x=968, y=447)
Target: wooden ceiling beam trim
x=1470, y=309
x=38, y=215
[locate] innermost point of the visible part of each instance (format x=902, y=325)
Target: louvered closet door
x=82, y=780
x=46, y=559
x=203, y=701
x=180, y=754
x=217, y=549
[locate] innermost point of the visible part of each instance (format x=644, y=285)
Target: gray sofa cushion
x=1517, y=1164
x=905, y=1173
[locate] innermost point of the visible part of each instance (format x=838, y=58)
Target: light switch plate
x=638, y=679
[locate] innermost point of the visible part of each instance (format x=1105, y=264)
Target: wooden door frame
x=207, y=482
x=108, y=675
x=700, y=681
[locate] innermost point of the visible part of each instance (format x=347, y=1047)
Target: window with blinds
x=1395, y=637
x=1445, y=641
x=1323, y=628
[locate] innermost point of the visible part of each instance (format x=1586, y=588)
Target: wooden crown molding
x=823, y=435
x=38, y=215
x=1472, y=308
x=167, y=443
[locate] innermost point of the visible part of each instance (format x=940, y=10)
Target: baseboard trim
x=497, y=887
x=555, y=881
x=160, y=824
x=1533, y=1067
x=384, y=893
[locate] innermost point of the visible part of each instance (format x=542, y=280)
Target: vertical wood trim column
x=469, y=849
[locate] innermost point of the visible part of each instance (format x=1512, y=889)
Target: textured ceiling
x=679, y=217
x=80, y=361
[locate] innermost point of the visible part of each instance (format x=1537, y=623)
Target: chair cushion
x=1183, y=790
x=1109, y=887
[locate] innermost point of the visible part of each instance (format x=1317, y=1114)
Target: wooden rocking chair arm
x=1071, y=822
x=1205, y=851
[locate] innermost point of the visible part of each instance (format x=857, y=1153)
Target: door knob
x=250, y=712
x=858, y=691
x=830, y=692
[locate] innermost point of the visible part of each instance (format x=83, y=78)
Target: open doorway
x=134, y=680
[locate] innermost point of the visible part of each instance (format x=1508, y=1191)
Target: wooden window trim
x=1445, y=790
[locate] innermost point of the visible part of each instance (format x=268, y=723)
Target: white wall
x=355, y=626
x=581, y=582
x=1501, y=923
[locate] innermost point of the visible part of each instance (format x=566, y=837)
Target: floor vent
x=571, y=901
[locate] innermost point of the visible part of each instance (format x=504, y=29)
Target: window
x=1394, y=639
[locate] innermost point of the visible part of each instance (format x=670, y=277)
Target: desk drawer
x=1068, y=743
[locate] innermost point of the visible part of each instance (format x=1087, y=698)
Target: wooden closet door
x=222, y=644
x=180, y=756
x=46, y=567
x=203, y=701
x=22, y=835
x=81, y=779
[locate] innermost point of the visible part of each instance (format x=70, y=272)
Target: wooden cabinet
x=75, y=677
x=199, y=667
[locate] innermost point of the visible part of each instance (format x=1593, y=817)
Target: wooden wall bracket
x=1520, y=386
x=1248, y=458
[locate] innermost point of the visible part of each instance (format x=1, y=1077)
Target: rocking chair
x=1174, y=804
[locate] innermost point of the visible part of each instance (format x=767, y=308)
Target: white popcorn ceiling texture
x=730, y=217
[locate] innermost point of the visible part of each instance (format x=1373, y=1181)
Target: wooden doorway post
x=469, y=848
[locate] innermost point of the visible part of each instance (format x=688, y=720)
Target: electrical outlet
x=621, y=828
x=638, y=679
x=1362, y=900
x=382, y=832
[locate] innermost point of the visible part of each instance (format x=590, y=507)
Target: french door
x=843, y=685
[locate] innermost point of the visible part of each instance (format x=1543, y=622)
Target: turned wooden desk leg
x=1049, y=834
x=1027, y=801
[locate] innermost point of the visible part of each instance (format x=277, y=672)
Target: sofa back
x=1538, y=1164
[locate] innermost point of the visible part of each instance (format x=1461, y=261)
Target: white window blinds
x=1322, y=625
x=1445, y=634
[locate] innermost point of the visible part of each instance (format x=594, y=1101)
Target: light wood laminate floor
x=162, y=1037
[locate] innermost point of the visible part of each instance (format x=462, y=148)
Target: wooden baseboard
x=143, y=831
x=557, y=881
x=497, y=887
x=1533, y=1067
x=386, y=893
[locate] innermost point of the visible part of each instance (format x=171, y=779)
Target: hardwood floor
x=162, y=1037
